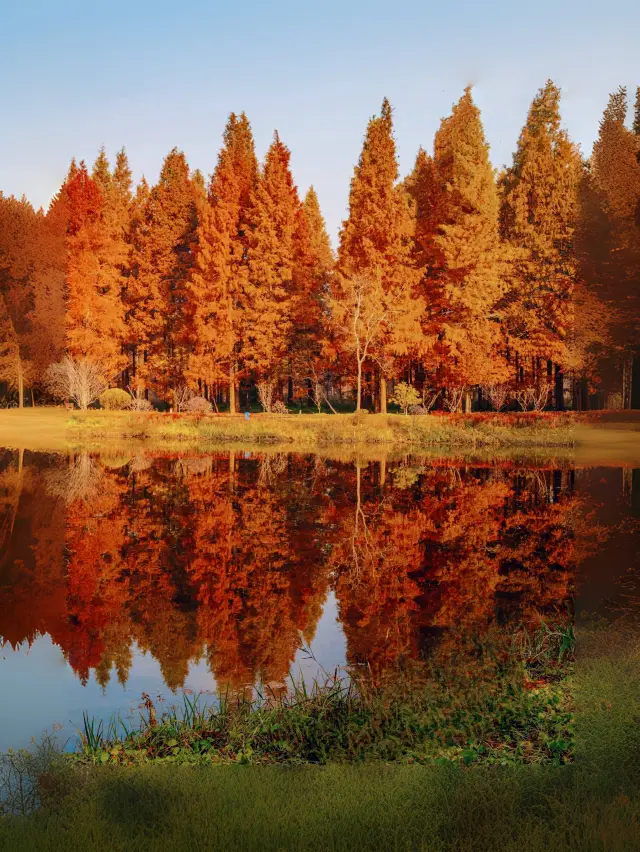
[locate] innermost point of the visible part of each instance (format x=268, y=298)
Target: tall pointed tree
x=428, y=198
x=101, y=171
x=318, y=236
x=313, y=264
x=157, y=292
x=270, y=296
x=375, y=241
x=49, y=326
x=220, y=263
x=115, y=218
x=468, y=244
x=47, y=315
x=94, y=310
x=538, y=217
x=18, y=239
x=613, y=254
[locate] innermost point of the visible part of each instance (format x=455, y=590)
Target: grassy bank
x=590, y=436
x=34, y=428
x=319, y=430
x=491, y=704
x=590, y=804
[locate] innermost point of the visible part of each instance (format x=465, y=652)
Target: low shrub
x=141, y=404
x=115, y=399
x=418, y=409
x=279, y=407
x=197, y=405
x=138, y=400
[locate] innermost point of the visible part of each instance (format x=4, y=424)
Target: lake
x=130, y=571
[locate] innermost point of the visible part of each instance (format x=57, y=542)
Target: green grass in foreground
x=322, y=430
x=591, y=804
x=490, y=704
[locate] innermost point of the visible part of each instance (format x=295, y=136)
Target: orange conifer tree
x=375, y=241
x=220, y=268
x=47, y=319
x=468, y=244
x=313, y=264
x=613, y=253
x=427, y=207
x=116, y=213
x=18, y=234
x=94, y=310
x=538, y=217
x=157, y=289
x=270, y=291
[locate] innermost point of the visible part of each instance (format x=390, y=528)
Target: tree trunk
x=359, y=387
x=559, y=388
x=584, y=395
x=20, y=385
x=383, y=470
x=627, y=374
x=33, y=399
x=232, y=389
x=467, y=401
x=383, y=394
x=635, y=381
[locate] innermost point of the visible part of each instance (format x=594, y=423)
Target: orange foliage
x=220, y=268
x=94, y=311
x=375, y=243
x=231, y=559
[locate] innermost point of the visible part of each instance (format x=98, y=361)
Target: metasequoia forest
x=464, y=282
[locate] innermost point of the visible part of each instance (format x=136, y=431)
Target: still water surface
x=124, y=574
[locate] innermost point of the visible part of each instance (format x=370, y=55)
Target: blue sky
x=151, y=74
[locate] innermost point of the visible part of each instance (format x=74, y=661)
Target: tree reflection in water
x=231, y=557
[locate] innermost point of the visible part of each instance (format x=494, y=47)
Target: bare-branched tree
x=429, y=397
x=533, y=396
x=81, y=381
x=498, y=395
x=181, y=396
x=453, y=399
x=265, y=392
x=318, y=385
x=138, y=399
x=361, y=313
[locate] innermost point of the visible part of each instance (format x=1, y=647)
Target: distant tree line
x=471, y=286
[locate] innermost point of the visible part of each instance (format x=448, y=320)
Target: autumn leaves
x=464, y=283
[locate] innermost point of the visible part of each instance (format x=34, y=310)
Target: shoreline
x=587, y=438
